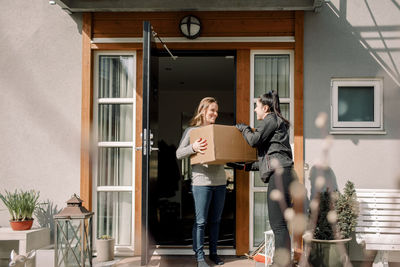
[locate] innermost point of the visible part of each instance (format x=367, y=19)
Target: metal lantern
x=73, y=235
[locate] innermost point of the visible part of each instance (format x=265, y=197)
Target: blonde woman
x=208, y=184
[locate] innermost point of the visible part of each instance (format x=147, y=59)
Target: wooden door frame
x=242, y=113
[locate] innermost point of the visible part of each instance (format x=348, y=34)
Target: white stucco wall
x=40, y=101
x=354, y=39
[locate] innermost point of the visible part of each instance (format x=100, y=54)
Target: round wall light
x=190, y=27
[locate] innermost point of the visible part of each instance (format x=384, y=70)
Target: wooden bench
x=378, y=225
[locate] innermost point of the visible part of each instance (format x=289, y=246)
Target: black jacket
x=271, y=138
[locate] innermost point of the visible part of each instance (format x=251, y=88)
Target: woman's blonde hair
x=198, y=118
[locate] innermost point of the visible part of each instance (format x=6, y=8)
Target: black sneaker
x=216, y=259
x=202, y=263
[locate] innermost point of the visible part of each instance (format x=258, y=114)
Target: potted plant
x=336, y=219
x=105, y=248
x=21, y=206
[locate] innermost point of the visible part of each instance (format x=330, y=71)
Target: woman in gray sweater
x=208, y=184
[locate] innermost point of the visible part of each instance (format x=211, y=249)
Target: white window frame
x=129, y=249
x=253, y=100
x=357, y=126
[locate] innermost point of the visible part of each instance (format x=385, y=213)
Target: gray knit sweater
x=202, y=174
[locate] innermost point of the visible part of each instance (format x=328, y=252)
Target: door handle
x=152, y=149
x=145, y=143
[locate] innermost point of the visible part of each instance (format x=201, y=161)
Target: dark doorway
x=182, y=84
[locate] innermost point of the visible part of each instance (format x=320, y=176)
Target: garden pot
x=328, y=253
x=21, y=225
x=105, y=249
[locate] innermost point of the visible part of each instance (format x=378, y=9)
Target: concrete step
x=178, y=261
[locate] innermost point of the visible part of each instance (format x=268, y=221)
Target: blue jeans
x=207, y=199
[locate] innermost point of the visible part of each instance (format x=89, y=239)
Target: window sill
x=355, y=132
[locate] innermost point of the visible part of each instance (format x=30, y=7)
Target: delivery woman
x=271, y=138
x=208, y=184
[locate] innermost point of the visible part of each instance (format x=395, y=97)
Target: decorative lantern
x=73, y=235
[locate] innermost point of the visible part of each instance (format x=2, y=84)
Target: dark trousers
x=276, y=208
x=207, y=199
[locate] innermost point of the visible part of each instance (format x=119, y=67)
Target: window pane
x=356, y=103
x=257, y=180
x=114, y=216
x=115, y=122
x=115, y=76
x=114, y=166
x=261, y=222
x=271, y=72
x=285, y=113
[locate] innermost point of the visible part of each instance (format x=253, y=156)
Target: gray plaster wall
x=353, y=39
x=40, y=102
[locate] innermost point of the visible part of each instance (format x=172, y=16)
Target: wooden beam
x=87, y=112
x=298, y=95
x=138, y=154
x=298, y=118
x=129, y=24
x=242, y=178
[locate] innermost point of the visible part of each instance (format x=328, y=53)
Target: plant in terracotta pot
x=105, y=248
x=21, y=206
x=334, y=218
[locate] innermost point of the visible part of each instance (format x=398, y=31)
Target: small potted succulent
x=21, y=206
x=105, y=248
x=336, y=218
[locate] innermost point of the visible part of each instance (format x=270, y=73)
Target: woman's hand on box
x=241, y=126
x=199, y=145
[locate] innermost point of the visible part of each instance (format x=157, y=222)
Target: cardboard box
x=224, y=144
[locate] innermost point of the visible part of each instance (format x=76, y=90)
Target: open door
x=149, y=137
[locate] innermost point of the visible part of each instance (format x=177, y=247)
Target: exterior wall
x=40, y=110
x=338, y=43
x=332, y=48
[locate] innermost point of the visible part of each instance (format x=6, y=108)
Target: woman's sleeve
x=260, y=133
x=253, y=137
x=185, y=148
x=252, y=166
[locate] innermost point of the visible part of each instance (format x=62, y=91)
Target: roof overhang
x=72, y=6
